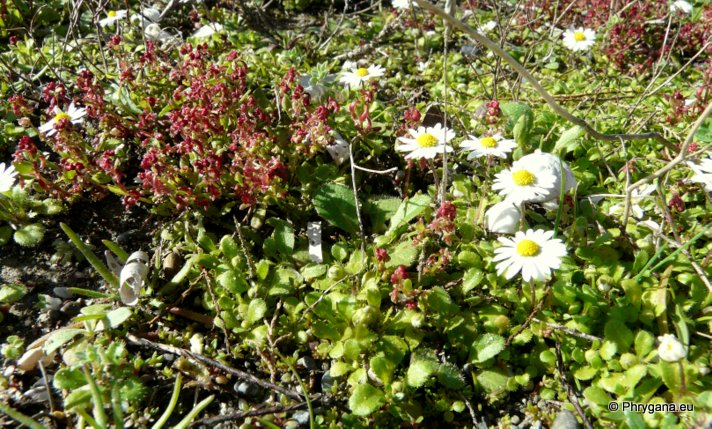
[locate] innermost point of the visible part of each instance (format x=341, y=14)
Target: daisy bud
x=503, y=218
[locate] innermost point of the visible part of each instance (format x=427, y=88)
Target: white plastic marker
x=314, y=236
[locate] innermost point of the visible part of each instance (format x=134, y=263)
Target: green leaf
x=12, y=292
x=616, y=331
x=439, y=301
x=423, y=365
x=365, y=399
x=233, y=281
x=486, y=347
x=408, y=210
x=383, y=368
x=228, y=247
x=60, y=337
x=449, y=376
x=256, y=310
x=704, y=133
x=472, y=278
x=403, y=254
x=283, y=236
x=5, y=234
x=596, y=395
x=644, y=342
x=336, y=204
x=339, y=369
x=492, y=380
x=585, y=373
x=118, y=316
x=568, y=140
x=68, y=378
x=380, y=211
x=29, y=235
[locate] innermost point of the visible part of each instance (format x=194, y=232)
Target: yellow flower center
x=528, y=248
x=112, y=13
x=362, y=72
x=61, y=116
x=427, y=140
x=523, y=178
x=579, y=36
x=488, y=142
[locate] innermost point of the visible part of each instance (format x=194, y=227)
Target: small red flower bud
x=382, y=255
x=399, y=274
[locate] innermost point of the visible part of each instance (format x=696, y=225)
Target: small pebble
x=514, y=420
x=63, y=292
x=565, y=419
x=246, y=389
x=301, y=417
x=327, y=382
x=307, y=363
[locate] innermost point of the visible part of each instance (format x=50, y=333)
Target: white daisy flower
x=580, y=39
x=487, y=27
x=73, y=114
x=403, y=4
x=703, y=173
x=503, y=218
x=524, y=182
x=635, y=196
x=483, y=146
x=112, y=16
x=681, y=6
x=534, y=253
x=7, y=177
x=426, y=142
x=542, y=162
x=208, y=30
x=670, y=349
x=357, y=76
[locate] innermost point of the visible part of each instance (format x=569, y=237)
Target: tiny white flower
x=487, y=27
x=7, y=177
x=703, y=173
x=484, y=146
x=681, y=6
x=423, y=66
x=358, y=76
x=208, y=30
x=524, y=182
x=503, y=218
x=403, y=4
x=112, y=16
x=73, y=114
x=670, y=349
x=534, y=253
x=339, y=151
x=426, y=142
x=580, y=39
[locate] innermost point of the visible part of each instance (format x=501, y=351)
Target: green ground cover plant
x=349, y=214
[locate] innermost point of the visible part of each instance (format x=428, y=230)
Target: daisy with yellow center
x=112, y=16
x=488, y=146
x=355, y=77
x=426, y=142
x=74, y=114
x=580, y=39
x=534, y=253
x=523, y=183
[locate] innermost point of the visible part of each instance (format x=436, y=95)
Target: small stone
x=307, y=363
x=246, y=389
x=63, y=292
x=514, y=420
x=327, y=382
x=301, y=417
x=565, y=420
